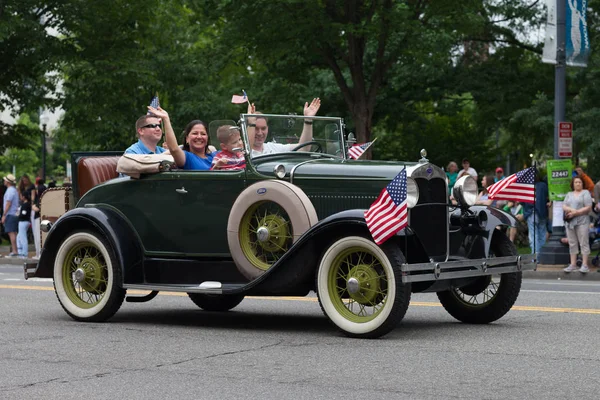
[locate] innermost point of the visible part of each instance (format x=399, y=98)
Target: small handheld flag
x=236, y=99
x=517, y=187
x=154, y=103
x=357, y=150
x=389, y=213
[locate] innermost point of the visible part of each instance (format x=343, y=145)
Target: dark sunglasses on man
x=151, y=126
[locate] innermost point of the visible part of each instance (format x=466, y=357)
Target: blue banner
x=578, y=40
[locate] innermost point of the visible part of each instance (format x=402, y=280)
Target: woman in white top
x=576, y=206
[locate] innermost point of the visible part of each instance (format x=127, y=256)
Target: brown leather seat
x=92, y=171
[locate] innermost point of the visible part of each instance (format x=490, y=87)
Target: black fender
x=103, y=220
x=476, y=238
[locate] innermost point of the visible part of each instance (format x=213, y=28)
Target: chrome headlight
x=279, y=171
x=412, y=193
x=465, y=190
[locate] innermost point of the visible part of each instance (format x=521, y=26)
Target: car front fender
x=106, y=221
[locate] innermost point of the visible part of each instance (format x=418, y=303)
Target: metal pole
x=44, y=152
x=553, y=252
x=560, y=71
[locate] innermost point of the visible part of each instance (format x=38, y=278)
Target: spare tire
x=266, y=219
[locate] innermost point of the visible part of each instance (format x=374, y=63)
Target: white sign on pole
x=565, y=139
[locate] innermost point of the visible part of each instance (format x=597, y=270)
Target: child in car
x=230, y=140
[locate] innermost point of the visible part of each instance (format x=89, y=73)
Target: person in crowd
x=196, y=153
x=483, y=196
x=516, y=209
x=149, y=134
x=67, y=182
x=499, y=174
x=588, y=183
x=26, y=187
x=24, y=222
x=40, y=188
x=452, y=174
x=228, y=159
x=467, y=169
x=576, y=206
x=597, y=196
x=536, y=215
x=10, y=206
x=258, y=130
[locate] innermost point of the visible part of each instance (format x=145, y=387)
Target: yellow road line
x=314, y=299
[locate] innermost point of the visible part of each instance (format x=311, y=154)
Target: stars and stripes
x=358, y=150
x=389, y=213
x=237, y=99
x=154, y=103
x=517, y=187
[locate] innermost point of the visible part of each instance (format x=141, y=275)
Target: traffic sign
x=565, y=139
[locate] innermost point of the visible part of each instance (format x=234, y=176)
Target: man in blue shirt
x=149, y=134
x=10, y=204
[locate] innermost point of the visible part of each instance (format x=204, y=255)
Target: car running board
x=207, y=287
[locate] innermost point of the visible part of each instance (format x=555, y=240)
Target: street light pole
x=554, y=252
x=44, y=152
x=44, y=118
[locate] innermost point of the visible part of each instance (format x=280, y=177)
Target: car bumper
x=435, y=271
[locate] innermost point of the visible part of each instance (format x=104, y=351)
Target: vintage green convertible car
x=290, y=223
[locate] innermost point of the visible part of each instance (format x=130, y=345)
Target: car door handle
x=182, y=190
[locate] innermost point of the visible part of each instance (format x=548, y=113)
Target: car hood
x=325, y=168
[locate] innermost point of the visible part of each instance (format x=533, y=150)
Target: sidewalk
x=543, y=271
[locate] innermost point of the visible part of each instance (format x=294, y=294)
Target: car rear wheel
x=87, y=277
x=216, y=302
x=487, y=298
x=266, y=219
x=360, y=289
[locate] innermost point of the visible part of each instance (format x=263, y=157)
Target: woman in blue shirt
x=195, y=153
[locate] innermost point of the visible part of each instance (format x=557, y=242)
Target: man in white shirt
x=467, y=170
x=258, y=130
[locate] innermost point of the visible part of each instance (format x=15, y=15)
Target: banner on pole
x=578, y=40
x=550, y=40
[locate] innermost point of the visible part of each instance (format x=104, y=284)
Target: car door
x=185, y=213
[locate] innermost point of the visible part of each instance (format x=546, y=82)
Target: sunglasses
x=151, y=126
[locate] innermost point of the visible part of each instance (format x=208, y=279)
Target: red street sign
x=565, y=139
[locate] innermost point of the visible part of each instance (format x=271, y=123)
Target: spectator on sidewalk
x=467, y=169
x=588, y=183
x=10, y=205
x=576, y=206
x=24, y=222
x=516, y=210
x=499, y=174
x=452, y=174
x=536, y=215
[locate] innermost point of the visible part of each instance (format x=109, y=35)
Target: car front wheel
x=360, y=289
x=487, y=298
x=86, y=278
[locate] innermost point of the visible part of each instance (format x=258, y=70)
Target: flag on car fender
x=517, y=187
x=389, y=213
x=236, y=99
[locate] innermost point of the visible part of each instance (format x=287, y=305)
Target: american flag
x=236, y=99
x=358, y=150
x=388, y=214
x=517, y=187
x=154, y=103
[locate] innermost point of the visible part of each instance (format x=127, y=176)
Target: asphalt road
x=546, y=347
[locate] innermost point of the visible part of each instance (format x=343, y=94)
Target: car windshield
x=283, y=133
